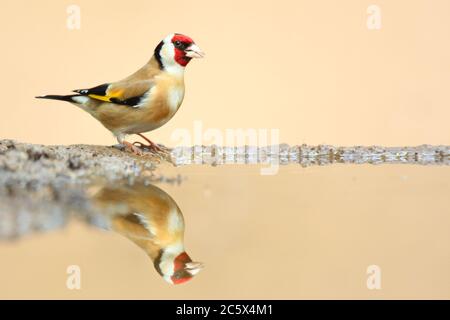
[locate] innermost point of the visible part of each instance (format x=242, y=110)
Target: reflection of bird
x=145, y=100
x=150, y=218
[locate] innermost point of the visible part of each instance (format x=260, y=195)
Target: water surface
x=302, y=233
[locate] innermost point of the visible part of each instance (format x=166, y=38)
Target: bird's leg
x=151, y=145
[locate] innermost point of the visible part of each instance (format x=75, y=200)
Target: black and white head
x=177, y=268
x=176, y=51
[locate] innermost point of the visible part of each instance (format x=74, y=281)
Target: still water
x=302, y=233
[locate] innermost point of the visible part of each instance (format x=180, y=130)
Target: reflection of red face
x=181, y=43
x=180, y=275
x=180, y=261
x=181, y=280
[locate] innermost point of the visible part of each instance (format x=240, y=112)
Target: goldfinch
x=145, y=100
x=150, y=218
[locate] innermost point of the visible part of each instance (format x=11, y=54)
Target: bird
x=151, y=219
x=145, y=100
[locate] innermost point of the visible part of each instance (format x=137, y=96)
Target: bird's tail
x=68, y=98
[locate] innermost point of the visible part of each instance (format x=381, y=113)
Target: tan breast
x=160, y=106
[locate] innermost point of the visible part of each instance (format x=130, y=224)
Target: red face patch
x=182, y=38
x=180, y=275
x=181, y=280
x=180, y=261
x=181, y=43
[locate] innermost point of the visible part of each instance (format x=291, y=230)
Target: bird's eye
x=177, y=43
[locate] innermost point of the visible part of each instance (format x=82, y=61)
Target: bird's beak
x=193, y=51
x=194, y=267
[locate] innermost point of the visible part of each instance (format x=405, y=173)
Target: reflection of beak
x=194, y=267
x=193, y=51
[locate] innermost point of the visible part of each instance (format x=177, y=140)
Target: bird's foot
x=130, y=147
x=151, y=146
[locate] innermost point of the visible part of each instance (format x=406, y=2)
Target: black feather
x=98, y=90
x=131, y=102
x=67, y=98
x=157, y=54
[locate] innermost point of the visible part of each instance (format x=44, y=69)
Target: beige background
x=309, y=68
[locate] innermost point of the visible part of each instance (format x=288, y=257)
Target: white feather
x=175, y=220
x=80, y=99
x=168, y=57
x=176, y=96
